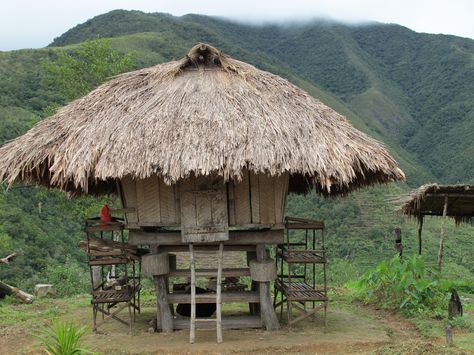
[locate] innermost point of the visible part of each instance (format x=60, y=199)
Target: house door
x=204, y=215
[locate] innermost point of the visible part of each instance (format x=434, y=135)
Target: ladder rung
x=205, y=320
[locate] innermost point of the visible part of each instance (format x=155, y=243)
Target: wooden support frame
x=112, y=315
x=295, y=289
x=441, y=237
x=113, y=252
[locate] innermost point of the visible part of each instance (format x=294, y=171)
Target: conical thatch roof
x=204, y=113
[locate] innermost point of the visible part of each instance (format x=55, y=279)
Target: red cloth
x=105, y=215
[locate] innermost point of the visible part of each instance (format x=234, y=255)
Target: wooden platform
x=229, y=322
x=300, y=291
x=302, y=256
x=227, y=297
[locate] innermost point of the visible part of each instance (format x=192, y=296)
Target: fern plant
x=62, y=338
x=404, y=284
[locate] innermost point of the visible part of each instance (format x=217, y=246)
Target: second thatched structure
x=456, y=201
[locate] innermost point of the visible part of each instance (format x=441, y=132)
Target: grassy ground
x=352, y=328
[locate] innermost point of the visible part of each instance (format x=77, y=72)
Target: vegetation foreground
x=352, y=328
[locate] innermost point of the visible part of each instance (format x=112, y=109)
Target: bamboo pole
x=441, y=238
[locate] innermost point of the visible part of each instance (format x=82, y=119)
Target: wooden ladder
x=218, y=299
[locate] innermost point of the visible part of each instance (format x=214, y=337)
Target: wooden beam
x=270, y=237
x=227, y=297
x=229, y=322
x=470, y=195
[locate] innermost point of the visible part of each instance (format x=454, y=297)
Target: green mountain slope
x=412, y=91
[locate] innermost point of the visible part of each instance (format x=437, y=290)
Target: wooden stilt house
x=203, y=152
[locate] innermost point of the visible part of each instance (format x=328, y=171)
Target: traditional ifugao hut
x=456, y=201
x=200, y=150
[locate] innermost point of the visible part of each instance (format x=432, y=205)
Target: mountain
x=412, y=91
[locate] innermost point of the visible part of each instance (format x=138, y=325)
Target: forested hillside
x=412, y=91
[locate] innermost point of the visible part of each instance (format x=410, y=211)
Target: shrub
x=69, y=278
x=403, y=284
x=62, y=338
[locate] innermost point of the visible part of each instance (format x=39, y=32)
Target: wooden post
x=269, y=318
x=420, y=229
x=254, y=308
x=398, y=241
x=441, y=238
x=164, y=317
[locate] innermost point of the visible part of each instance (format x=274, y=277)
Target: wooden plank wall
x=129, y=199
x=155, y=203
x=258, y=199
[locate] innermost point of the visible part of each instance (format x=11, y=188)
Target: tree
x=79, y=69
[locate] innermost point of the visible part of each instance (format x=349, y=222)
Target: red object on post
x=105, y=215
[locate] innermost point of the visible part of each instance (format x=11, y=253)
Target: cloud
x=33, y=23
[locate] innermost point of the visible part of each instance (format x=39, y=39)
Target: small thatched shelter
x=205, y=147
x=456, y=201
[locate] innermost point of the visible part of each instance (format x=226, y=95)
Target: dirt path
x=352, y=329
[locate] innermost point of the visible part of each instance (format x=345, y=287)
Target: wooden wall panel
x=169, y=214
x=281, y=192
x=148, y=195
x=129, y=194
x=266, y=188
x=255, y=198
x=243, y=213
x=230, y=202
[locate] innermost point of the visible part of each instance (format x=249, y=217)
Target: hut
x=456, y=201
x=202, y=149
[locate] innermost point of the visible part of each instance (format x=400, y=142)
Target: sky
x=35, y=23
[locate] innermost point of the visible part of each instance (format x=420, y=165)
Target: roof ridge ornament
x=205, y=55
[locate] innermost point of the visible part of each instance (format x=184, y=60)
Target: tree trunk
x=6, y=259
x=13, y=291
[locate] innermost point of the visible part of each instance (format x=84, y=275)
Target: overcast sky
x=35, y=23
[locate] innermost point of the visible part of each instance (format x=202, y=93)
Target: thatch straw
x=429, y=200
x=204, y=113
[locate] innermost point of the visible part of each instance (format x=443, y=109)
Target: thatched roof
x=429, y=200
x=204, y=113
